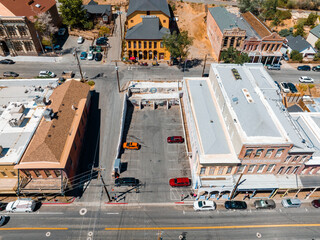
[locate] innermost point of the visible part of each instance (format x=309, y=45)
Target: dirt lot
x=192, y=18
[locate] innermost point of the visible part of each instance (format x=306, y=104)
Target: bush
x=173, y=7
x=284, y=14
x=104, y=30
x=296, y=56
x=285, y=32
x=46, y=42
x=91, y=83
x=311, y=19
x=317, y=44
x=88, y=25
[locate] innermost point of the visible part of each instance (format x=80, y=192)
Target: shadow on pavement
x=128, y=119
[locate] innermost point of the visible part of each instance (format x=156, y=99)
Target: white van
x=21, y=205
x=46, y=74
x=291, y=203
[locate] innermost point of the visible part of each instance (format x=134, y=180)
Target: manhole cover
x=83, y=211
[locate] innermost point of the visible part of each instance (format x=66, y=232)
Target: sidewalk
x=33, y=59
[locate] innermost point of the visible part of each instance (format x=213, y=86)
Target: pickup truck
x=67, y=74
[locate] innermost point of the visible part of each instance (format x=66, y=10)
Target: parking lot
x=156, y=161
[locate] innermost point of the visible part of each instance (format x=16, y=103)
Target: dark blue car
x=235, y=205
x=304, y=68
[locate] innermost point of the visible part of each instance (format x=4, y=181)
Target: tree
x=296, y=56
x=249, y=6
x=231, y=55
x=317, y=44
x=286, y=32
x=311, y=19
x=43, y=24
x=178, y=44
x=72, y=12
x=299, y=31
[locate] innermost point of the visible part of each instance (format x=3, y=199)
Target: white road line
x=34, y=213
x=111, y=213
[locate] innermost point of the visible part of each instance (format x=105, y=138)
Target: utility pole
x=76, y=56
x=119, y=14
x=204, y=65
x=235, y=187
x=104, y=184
x=118, y=77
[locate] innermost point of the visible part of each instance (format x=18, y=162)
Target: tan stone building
x=17, y=33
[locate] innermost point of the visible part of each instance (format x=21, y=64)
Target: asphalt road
x=145, y=223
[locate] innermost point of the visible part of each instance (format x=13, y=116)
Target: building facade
x=314, y=35
x=146, y=26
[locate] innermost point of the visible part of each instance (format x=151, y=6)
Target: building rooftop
x=98, y=9
x=49, y=141
x=297, y=43
x=28, y=8
x=148, y=5
x=18, y=122
x=316, y=31
x=148, y=29
x=258, y=26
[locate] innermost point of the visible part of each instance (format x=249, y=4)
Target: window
x=288, y=170
x=2, y=32
x=22, y=30
x=3, y=174
x=225, y=41
x=145, y=44
x=287, y=159
x=220, y=170
x=129, y=44
x=279, y=153
x=26, y=172
x=303, y=158
x=280, y=170
x=295, y=170
x=13, y=173
x=75, y=146
x=295, y=159
x=269, y=153
x=134, y=44
x=164, y=21
x=270, y=168
x=139, y=44
x=57, y=172
x=150, y=44
x=12, y=31
x=37, y=173
x=241, y=168
x=248, y=153
x=232, y=42
x=203, y=170
x=262, y=48
x=311, y=171
x=29, y=46
x=154, y=44
x=251, y=168
x=79, y=135
x=238, y=42
x=229, y=170
x=47, y=172
x=260, y=169
x=17, y=46
x=148, y=12
x=161, y=45
x=258, y=153
x=212, y=171
x=131, y=21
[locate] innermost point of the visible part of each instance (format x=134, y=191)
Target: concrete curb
x=59, y=203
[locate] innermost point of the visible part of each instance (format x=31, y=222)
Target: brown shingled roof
x=256, y=24
x=50, y=138
x=28, y=7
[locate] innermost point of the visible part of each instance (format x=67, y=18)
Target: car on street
x=131, y=145
x=80, y=40
x=7, y=61
x=175, y=139
x=10, y=74
x=2, y=220
x=46, y=74
x=101, y=41
x=291, y=203
x=126, y=181
x=292, y=87
x=21, y=205
x=235, y=205
x=306, y=79
x=274, y=67
x=316, y=203
x=285, y=57
x=264, y=204
x=83, y=56
x=316, y=68
x=98, y=57
x=204, y=205
x=180, y=182
x=62, y=31
x=90, y=55
x=304, y=68
x=2, y=206
x=284, y=87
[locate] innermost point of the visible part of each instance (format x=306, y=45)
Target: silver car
x=291, y=203
x=305, y=79
x=264, y=204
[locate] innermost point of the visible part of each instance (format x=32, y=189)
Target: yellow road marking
x=29, y=228
x=212, y=227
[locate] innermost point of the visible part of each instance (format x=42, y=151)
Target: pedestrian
x=182, y=196
x=115, y=197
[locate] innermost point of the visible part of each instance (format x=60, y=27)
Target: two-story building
x=147, y=23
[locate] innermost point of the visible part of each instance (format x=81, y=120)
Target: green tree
x=296, y=56
x=231, y=55
x=317, y=44
x=43, y=24
x=276, y=21
x=178, y=44
x=311, y=19
x=299, y=31
x=286, y=32
x=249, y=6
x=72, y=12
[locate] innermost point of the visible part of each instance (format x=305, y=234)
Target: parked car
x=274, y=67
x=131, y=145
x=316, y=203
x=316, y=68
x=2, y=206
x=101, y=41
x=21, y=205
x=175, y=139
x=235, y=205
x=46, y=74
x=292, y=87
x=80, y=40
x=83, y=56
x=204, y=205
x=264, y=204
x=98, y=57
x=284, y=87
x=305, y=79
x=62, y=31
x=304, y=68
x=180, y=182
x=277, y=84
x=10, y=74
x=285, y=57
x=127, y=181
x=2, y=220
x=291, y=203
x=7, y=61
x=90, y=55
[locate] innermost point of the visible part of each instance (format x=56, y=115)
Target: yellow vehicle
x=131, y=145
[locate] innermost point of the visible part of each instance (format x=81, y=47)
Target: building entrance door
x=4, y=48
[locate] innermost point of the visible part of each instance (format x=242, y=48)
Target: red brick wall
x=214, y=34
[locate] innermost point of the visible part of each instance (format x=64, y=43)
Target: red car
x=180, y=182
x=175, y=139
x=316, y=203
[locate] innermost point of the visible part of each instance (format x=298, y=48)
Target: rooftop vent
x=16, y=120
x=38, y=5
x=247, y=95
x=236, y=74
x=48, y=114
